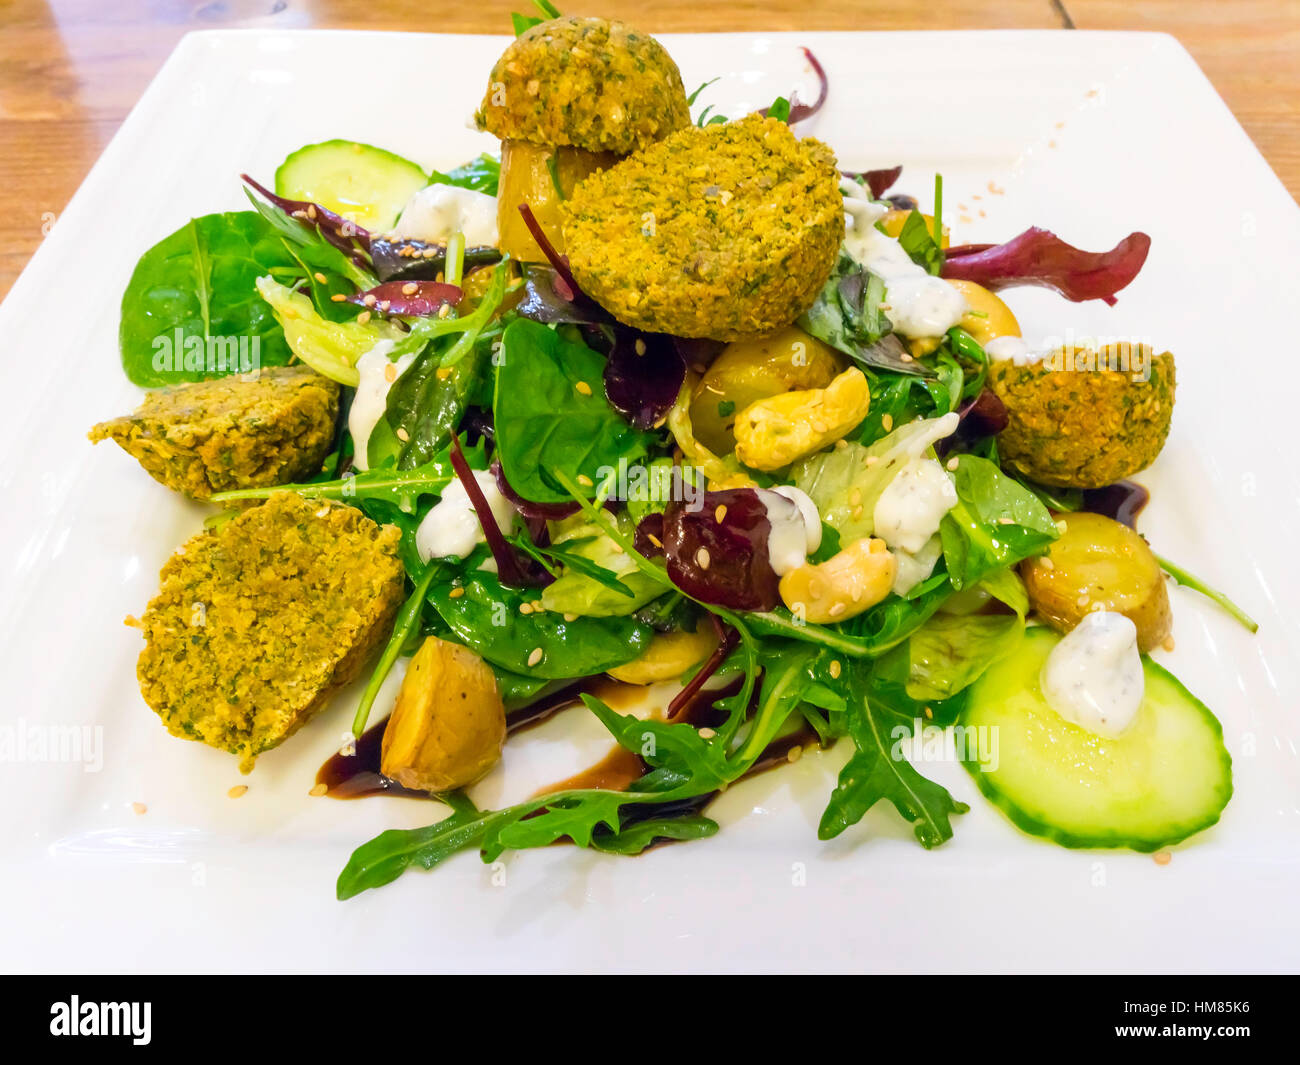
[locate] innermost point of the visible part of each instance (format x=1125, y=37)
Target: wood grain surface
x=70, y=70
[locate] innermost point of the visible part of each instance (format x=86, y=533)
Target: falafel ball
x=1084, y=418
x=260, y=619
x=231, y=432
x=586, y=82
x=724, y=232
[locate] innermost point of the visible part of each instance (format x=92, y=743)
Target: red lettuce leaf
x=1038, y=257
x=725, y=562
x=526, y=507
x=727, y=640
x=801, y=112
x=509, y=569
x=643, y=374
x=414, y=299
x=878, y=182
x=339, y=231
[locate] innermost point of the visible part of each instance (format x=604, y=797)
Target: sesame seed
x=403, y=435
x=535, y=657
x=410, y=288
x=311, y=211
x=338, y=297
x=444, y=310
x=1162, y=857
x=1046, y=563
x=905, y=357
x=639, y=346
x=887, y=422
x=794, y=754
x=929, y=712
x=456, y=592
x=525, y=608
x=872, y=459
x=655, y=540
x=583, y=388
x=841, y=444
x=1061, y=527
x=320, y=277
x=702, y=558
x=363, y=318
x=835, y=669
x=318, y=790
x=442, y=373
x=952, y=463
x=570, y=617
x=390, y=373
x=369, y=299
x=707, y=733
x=857, y=512
x=837, y=610
x=585, y=481
x=1083, y=600
x=1167, y=643
x=720, y=513
x=139, y=807
x=237, y=791
x=855, y=496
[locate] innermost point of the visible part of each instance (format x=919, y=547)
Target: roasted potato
x=750, y=370
x=846, y=584
x=987, y=317
x=893, y=222
x=449, y=723
x=1099, y=564
x=669, y=655
x=527, y=177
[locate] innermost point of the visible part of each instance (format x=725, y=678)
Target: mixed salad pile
x=655, y=397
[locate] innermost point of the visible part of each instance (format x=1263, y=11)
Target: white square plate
x=1091, y=135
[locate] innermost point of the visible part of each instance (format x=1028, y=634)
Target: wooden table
x=70, y=70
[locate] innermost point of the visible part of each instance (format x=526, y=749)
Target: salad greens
x=191, y=300
x=576, y=567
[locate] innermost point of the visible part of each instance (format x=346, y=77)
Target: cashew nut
x=846, y=584
x=773, y=432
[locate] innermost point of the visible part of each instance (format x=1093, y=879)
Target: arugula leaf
x=197, y=286
x=877, y=770
x=550, y=414
x=1190, y=580
x=401, y=488
x=636, y=837
x=996, y=523
x=485, y=616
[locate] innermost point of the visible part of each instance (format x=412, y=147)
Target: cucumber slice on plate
x=1166, y=778
x=366, y=184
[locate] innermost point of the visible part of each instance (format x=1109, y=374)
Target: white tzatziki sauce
x=796, y=527
x=378, y=372
x=1093, y=677
x=452, y=526
x=919, y=304
x=913, y=504
x=440, y=211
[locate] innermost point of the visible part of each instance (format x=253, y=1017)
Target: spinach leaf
x=192, y=296
x=997, y=522
x=485, y=616
x=878, y=770
x=895, y=618
x=551, y=415
x=481, y=174
x=920, y=244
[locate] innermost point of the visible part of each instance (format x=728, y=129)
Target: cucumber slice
x=1166, y=778
x=359, y=181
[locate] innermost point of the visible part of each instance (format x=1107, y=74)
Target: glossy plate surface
x=1091, y=135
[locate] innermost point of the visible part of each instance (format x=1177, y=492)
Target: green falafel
x=724, y=232
x=1084, y=418
x=586, y=82
x=232, y=432
x=260, y=619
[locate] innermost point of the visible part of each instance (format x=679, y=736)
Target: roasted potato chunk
x=846, y=584
x=750, y=370
x=530, y=174
x=669, y=655
x=449, y=724
x=1099, y=564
